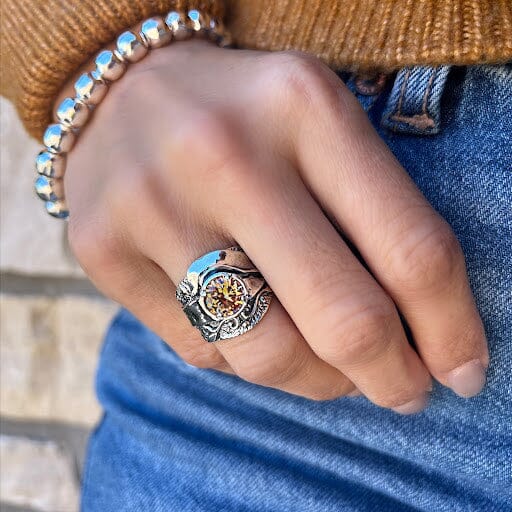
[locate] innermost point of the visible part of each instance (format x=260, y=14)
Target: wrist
x=172, y=55
x=218, y=35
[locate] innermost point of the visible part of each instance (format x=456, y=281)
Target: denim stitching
x=421, y=121
x=402, y=91
x=414, y=104
x=426, y=98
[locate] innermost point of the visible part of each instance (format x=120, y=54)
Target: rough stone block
x=49, y=350
x=37, y=474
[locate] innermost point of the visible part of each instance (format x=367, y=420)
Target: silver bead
x=196, y=22
x=57, y=209
x=49, y=189
x=177, y=25
x=58, y=139
x=155, y=33
x=108, y=66
x=50, y=164
x=130, y=47
x=72, y=113
x=90, y=91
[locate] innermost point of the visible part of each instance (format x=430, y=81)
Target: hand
x=198, y=148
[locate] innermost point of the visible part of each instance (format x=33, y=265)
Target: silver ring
x=224, y=295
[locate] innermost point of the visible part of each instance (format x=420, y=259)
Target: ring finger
x=274, y=353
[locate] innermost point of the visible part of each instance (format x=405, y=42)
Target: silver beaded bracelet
x=90, y=88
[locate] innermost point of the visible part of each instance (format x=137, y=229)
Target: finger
x=338, y=307
x=136, y=282
x=410, y=249
x=273, y=353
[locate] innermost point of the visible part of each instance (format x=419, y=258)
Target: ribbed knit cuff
x=378, y=35
x=45, y=42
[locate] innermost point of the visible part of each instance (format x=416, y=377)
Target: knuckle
x=303, y=79
x=211, y=147
x=95, y=245
x=427, y=258
x=362, y=333
x=225, y=176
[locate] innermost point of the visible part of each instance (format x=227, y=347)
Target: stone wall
x=51, y=326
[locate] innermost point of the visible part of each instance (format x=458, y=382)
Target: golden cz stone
x=224, y=296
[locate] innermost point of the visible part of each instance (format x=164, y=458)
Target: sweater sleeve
x=44, y=42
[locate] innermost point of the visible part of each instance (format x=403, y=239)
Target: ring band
x=224, y=295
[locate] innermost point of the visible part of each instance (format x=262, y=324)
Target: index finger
x=411, y=250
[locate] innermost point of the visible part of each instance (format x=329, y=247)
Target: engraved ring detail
x=224, y=295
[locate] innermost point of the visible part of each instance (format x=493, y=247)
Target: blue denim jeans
x=177, y=438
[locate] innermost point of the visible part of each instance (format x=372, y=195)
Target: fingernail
x=468, y=379
x=356, y=392
x=414, y=406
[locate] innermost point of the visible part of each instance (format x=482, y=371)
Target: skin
x=197, y=148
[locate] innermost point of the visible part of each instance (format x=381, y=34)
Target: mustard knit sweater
x=43, y=42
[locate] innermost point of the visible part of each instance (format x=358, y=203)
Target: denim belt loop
x=414, y=105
